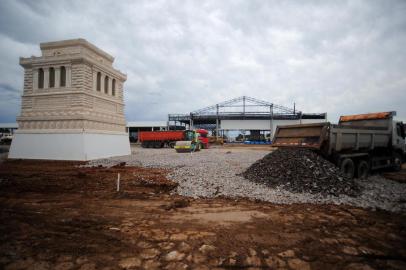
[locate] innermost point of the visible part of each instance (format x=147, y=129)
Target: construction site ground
x=57, y=215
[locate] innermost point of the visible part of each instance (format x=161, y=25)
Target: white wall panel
x=245, y=124
x=73, y=146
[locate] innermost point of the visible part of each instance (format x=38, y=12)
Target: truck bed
x=357, y=138
x=328, y=137
x=161, y=136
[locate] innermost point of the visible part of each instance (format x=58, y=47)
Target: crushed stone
x=301, y=170
x=214, y=172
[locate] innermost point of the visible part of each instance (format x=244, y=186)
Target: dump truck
x=357, y=144
x=159, y=139
x=203, y=138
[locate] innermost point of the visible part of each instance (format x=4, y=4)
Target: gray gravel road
x=214, y=172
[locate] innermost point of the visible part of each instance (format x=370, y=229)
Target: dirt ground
x=397, y=176
x=55, y=215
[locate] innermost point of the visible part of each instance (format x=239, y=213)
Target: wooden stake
x=118, y=182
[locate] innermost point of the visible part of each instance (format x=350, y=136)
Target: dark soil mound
x=301, y=170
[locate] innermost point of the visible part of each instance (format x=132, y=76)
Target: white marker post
x=118, y=182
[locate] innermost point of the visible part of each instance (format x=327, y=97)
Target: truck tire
x=347, y=168
x=171, y=144
x=363, y=169
x=157, y=145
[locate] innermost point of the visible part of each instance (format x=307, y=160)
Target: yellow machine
x=191, y=144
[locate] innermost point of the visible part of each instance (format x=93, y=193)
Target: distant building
x=72, y=106
x=135, y=127
x=8, y=128
x=245, y=115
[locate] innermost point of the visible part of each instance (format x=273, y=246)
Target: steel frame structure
x=241, y=108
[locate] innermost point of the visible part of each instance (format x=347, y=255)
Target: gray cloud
x=327, y=56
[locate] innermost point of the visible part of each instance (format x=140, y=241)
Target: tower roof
x=79, y=42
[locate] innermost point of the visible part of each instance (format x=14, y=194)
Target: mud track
x=55, y=215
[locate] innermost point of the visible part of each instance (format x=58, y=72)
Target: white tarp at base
x=71, y=146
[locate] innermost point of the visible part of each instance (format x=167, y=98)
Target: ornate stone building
x=72, y=106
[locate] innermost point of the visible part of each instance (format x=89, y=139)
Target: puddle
x=222, y=215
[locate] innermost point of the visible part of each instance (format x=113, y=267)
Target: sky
x=339, y=57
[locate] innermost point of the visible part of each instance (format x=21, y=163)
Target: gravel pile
x=301, y=170
x=217, y=172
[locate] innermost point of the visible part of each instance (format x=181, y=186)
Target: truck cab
x=204, y=140
x=398, y=138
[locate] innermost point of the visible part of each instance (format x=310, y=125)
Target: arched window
x=62, y=81
x=51, y=77
x=98, y=86
x=106, y=85
x=40, y=78
x=113, y=87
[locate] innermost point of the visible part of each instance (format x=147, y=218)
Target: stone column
x=57, y=77
x=68, y=76
x=34, y=78
x=119, y=89
x=94, y=80
x=46, y=78
x=102, y=83
x=110, y=91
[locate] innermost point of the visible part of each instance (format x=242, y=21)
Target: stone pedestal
x=66, y=114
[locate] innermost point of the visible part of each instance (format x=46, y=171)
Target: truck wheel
x=171, y=144
x=363, y=169
x=397, y=162
x=347, y=168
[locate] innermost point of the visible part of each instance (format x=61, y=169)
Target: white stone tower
x=72, y=106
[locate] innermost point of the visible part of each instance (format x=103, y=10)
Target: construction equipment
x=216, y=140
x=190, y=144
x=204, y=140
x=159, y=139
x=358, y=144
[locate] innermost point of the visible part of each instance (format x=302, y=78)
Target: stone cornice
x=73, y=92
x=76, y=42
x=69, y=131
x=80, y=117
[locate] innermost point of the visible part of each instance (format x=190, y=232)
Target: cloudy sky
x=327, y=56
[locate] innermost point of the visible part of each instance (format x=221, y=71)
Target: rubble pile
x=301, y=171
